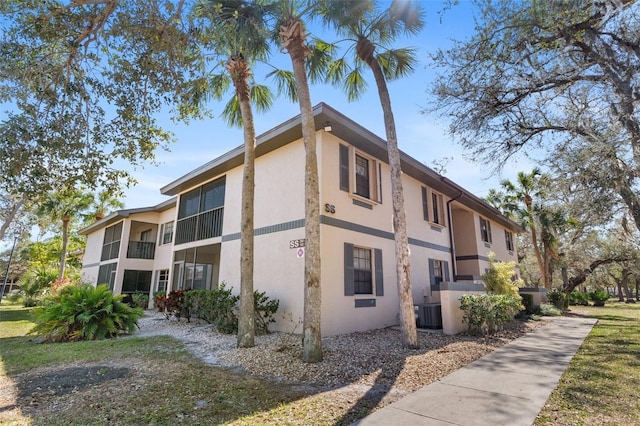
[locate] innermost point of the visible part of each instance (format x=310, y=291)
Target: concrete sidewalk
x=506, y=387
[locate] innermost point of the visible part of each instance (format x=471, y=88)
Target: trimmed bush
x=558, y=299
x=265, y=311
x=84, y=313
x=140, y=300
x=549, y=310
x=578, y=298
x=487, y=313
x=527, y=302
x=216, y=307
x=499, y=278
x=599, y=297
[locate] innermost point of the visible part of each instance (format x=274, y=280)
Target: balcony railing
x=199, y=227
x=141, y=250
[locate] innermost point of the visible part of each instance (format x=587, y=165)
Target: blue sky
x=421, y=136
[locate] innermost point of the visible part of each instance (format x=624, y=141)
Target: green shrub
x=558, y=299
x=549, y=310
x=216, y=306
x=36, y=283
x=140, y=300
x=499, y=278
x=265, y=311
x=599, y=297
x=578, y=298
x=487, y=313
x=527, y=302
x=84, y=313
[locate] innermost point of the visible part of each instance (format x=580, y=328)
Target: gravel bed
x=360, y=360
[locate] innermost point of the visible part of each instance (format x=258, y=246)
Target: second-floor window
x=111, y=243
x=433, y=207
x=508, y=237
x=200, y=212
x=360, y=174
x=166, y=233
x=485, y=230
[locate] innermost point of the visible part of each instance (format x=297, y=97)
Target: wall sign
x=294, y=244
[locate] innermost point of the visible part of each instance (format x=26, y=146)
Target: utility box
x=429, y=315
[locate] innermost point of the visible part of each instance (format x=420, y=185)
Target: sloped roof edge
x=121, y=214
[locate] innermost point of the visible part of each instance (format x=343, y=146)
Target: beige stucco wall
x=91, y=258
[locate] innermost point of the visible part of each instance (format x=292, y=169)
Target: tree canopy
x=82, y=82
x=560, y=76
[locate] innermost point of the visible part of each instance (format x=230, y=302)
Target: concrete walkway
x=506, y=387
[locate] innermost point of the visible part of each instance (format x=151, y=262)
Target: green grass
x=602, y=384
x=164, y=385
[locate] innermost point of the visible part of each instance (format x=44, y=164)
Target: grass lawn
x=602, y=384
x=127, y=381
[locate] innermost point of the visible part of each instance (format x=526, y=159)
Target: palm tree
x=292, y=38
x=103, y=202
x=237, y=32
x=372, y=31
x=63, y=206
x=520, y=197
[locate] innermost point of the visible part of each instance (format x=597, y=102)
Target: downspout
x=451, y=239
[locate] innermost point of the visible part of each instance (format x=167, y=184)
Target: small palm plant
x=84, y=312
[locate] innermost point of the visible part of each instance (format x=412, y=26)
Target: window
x=200, y=212
x=485, y=230
x=435, y=212
x=362, y=275
x=145, y=235
x=438, y=273
x=111, y=243
x=508, y=237
x=362, y=271
x=437, y=209
x=166, y=233
x=360, y=174
x=136, y=281
x=107, y=274
x=162, y=280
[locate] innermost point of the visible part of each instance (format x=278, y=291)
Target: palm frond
x=397, y=63
x=355, y=84
x=285, y=83
x=261, y=97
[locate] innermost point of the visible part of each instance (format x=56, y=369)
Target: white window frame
x=487, y=224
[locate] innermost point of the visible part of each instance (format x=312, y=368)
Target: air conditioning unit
x=429, y=315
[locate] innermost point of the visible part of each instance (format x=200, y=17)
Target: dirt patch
x=68, y=380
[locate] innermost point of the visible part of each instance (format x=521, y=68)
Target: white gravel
x=373, y=358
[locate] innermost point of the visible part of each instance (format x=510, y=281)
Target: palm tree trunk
x=239, y=71
x=536, y=250
x=407, y=315
x=63, y=254
x=293, y=40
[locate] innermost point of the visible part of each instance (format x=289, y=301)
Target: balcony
x=199, y=227
x=141, y=250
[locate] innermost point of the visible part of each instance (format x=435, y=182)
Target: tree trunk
x=240, y=73
x=536, y=250
x=409, y=336
x=293, y=40
x=9, y=218
x=582, y=275
x=65, y=239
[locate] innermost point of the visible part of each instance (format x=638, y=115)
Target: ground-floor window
x=107, y=275
x=162, y=280
x=193, y=269
x=136, y=281
x=438, y=273
x=362, y=270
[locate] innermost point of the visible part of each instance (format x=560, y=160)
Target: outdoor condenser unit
x=429, y=315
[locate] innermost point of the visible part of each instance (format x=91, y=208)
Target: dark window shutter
x=344, y=168
x=425, y=207
x=432, y=276
x=447, y=277
x=348, y=270
x=379, y=276
x=380, y=182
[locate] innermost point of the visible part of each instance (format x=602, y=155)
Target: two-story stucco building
x=196, y=235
